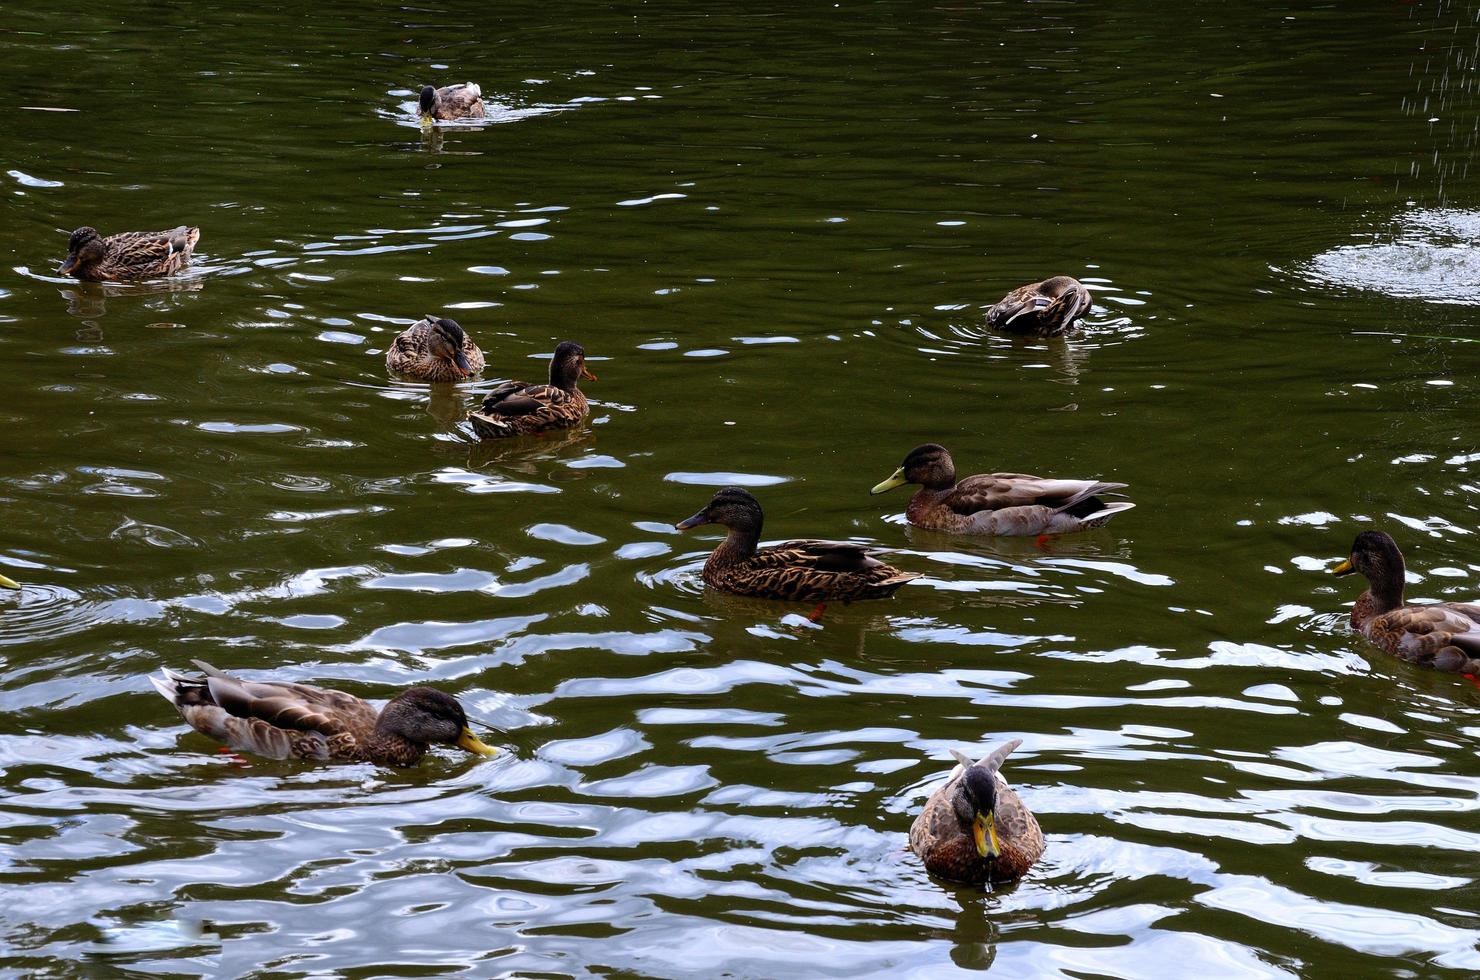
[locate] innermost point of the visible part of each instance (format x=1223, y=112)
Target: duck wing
x=824, y=556
x=1442, y=635
x=516, y=398
x=1003, y=491
x=295, y=707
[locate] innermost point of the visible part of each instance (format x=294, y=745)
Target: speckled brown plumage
x=1041, y=309
x=518, y=408
x=461, y=101
x=998, y=503
x=1442, y=635
x=941, y=835
x=279, y=720
x=805, y=570
x=429, y=350
x=129, y=255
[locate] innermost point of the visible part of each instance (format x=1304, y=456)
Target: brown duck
x=518, y=408
x=129, y=255
x=1441, y=635
x=461, y=101
x=297, y=721
x=434, y=349
x=1041, y=309
x=998, y=503
x=799, y=571
x=974, y=829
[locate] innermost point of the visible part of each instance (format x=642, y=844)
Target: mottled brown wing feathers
x=827, y=556
x=515, y=398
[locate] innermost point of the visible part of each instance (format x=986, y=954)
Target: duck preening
x=517, y=408
x=998, y=503
x=1441, y=635
x=806, y=570
x=1041, y=309
x=434, y=349
x=128, y=255
x=282, y=720
x=974, y=828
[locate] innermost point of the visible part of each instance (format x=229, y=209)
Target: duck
x=282, y=720
x=1041, y=309
x=461, y=101
x=128, y=255
x=998, y=503
x=1441, y=635
x=975, y=829
x=518, y=408
x=806, y=570
x=434, y=349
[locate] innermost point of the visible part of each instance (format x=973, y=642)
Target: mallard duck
x=461, y=101
x=128, y=255
x=974, y=828
x=799, y=571
x=1441, y=635
x=1041, y=309
x=998, y=503
x=518, y=408
x=297, y=721
x=434, y=349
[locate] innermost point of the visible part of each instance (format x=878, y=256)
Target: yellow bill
x=1345, y=568
x=984, y=832
x=8, y=583
x=469, y=742
x=896, y=480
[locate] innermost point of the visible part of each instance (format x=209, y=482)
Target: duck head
x=731, y=507
x=929, y=465
x=1376, y=557
x=83, y=248
x=447, y=342
x=568, y=365
x=427, y=716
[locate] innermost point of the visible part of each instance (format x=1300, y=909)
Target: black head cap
x=81, y=237
x=428, y=97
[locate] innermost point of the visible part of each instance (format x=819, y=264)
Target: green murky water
x=775, y=230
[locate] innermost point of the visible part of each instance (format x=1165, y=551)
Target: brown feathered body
x=999, y=503
x=461, y=101
x=130, y=255
x=1041, y=309
x=518, y=408
x=941, y=835
x=428, y=350
x=278, y=720
x=1441, y=635
x=805, y=570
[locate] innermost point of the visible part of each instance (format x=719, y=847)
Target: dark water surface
x=775, y=229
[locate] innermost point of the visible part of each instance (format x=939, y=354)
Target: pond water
x=775, y=229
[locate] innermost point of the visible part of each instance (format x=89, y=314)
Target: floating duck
x=280, y=720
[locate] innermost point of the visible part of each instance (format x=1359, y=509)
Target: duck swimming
x=974, y=829
x=1041, y=309
x=998, y=503
x=461, y=101
x=1441, y=635
x=434, y=349
x=128, y=255
x=517, y=408
x=281, y=720
x=806, y=570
